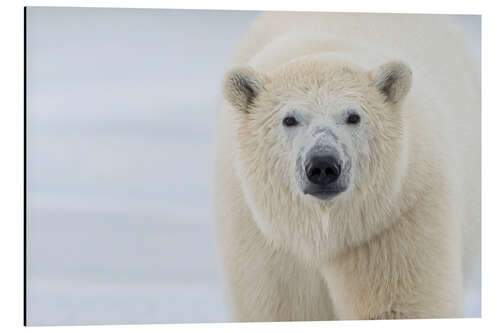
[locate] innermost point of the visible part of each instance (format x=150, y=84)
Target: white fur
x=399, y=241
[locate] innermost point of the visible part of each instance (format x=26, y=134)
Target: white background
x=119, y=122
x=11, y=177
x=120, y=104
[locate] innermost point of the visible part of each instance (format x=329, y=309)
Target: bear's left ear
x=393, y=79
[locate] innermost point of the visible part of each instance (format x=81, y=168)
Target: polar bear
x=347, y=168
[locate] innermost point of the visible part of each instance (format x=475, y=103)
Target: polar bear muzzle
x=323, y=172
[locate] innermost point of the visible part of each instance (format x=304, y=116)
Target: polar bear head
x=318, y=138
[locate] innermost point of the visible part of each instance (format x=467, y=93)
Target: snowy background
x=120, y=106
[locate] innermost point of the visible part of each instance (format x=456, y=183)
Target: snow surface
x=119, y=119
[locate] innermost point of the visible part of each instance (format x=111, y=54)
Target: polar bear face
x=317, y=136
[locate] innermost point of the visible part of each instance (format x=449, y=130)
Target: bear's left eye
x=353, y=118
x=289, y=121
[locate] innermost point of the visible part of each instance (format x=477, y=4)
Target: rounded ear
x=393, y=79
x=241, y=86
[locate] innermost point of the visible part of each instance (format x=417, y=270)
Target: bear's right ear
x=241, y=86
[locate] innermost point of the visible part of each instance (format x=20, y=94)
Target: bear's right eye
x=289, y=121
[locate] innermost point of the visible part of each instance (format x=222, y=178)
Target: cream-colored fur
x=399, y=242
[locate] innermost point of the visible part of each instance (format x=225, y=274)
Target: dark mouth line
x=320, y=192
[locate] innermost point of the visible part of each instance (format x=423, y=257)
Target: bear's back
x=430, y=39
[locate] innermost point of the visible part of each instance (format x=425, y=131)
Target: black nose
x=323, y=170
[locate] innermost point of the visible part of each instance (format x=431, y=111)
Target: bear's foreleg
x=410, y=270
